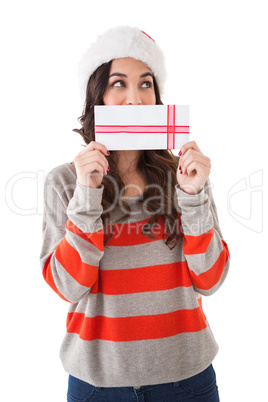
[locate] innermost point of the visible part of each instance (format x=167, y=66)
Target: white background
x=216, y=54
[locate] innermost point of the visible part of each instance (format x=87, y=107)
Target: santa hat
x=118, y=43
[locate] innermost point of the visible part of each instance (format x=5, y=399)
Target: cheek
x=153, y=98
x=149, y=98
x=112, y=98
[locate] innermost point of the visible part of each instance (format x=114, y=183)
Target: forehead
x=128, y=64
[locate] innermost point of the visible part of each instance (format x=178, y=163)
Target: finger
x=197, y=168
x=94, y=167
x=93, y=145
x=189, y=145
x=90, y=157
x=90, y=167
x=84, y=160
x=191, y=156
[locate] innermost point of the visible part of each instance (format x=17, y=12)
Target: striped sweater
x=135, y=315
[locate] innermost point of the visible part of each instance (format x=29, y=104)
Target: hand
x=193, y=170
x=91, y=164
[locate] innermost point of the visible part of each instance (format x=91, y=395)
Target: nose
x=133, y=96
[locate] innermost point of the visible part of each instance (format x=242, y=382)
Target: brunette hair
x=157, y=166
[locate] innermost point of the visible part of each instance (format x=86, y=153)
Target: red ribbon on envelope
x=170, y=126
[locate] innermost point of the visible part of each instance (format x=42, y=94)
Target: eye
x=118, y=84
x=147, y=84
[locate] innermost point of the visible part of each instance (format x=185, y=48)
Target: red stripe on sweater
x=48, y=276
x=70, y=259
x=130, y=234
x=146, y=279
x=211, y=277
x=95, y=238
x=197, y=244
x=125, y=329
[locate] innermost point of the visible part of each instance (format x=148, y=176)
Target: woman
x=132, y=241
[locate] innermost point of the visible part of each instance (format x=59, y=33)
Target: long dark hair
x=158, y=167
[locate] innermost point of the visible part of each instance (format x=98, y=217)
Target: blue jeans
x=201, y=387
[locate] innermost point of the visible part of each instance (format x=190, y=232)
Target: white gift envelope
x=127, y=127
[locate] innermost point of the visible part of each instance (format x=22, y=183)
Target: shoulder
x=62, y=180
x=64, y=173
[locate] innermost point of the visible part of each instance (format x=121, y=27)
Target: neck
x=128, y=162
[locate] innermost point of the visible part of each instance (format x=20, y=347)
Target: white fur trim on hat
x=118, y=43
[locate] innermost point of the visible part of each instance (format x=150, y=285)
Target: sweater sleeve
x=72, y=241
x=205, y=251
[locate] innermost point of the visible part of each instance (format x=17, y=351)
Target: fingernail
x=108, y=168
x=108, y=153
x=180, y=153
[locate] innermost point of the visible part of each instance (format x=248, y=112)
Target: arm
x=72, y=241
x=205, y=250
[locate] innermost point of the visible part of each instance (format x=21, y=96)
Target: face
x=130, y=83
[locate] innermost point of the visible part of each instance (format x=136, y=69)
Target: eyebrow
x=146, y=74
x=125, y=76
